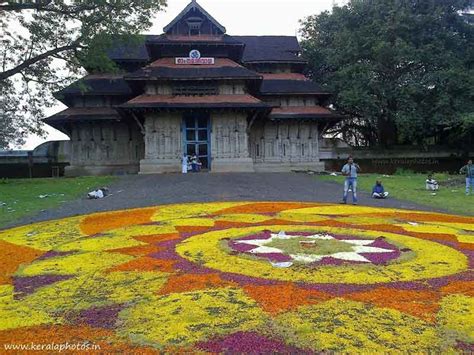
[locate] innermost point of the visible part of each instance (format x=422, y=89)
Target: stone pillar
x=163, y=143
x=229, y=143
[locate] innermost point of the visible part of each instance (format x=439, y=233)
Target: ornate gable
x=194, y=21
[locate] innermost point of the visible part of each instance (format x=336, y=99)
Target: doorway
x=197, y=137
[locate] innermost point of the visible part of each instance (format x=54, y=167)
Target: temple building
x=240, y=103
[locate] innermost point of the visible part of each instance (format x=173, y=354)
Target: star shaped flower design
x=357, y=248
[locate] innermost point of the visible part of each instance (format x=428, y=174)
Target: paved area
x=149, y=190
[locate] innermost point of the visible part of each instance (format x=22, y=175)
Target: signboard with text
x=194, y=59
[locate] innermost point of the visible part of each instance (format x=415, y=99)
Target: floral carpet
x=250, y=277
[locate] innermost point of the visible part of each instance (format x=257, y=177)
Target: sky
x=240, y=17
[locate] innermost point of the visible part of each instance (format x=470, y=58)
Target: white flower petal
x=257, y=242
x=349, y=256
x=304, y=258
x=363, y=249
x=282, y=264
x=358, y=241
x=320, y=236
x=265, y=250
x=283, y=236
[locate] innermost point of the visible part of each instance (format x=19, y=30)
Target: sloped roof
x=284, y=76
x=102, y=84
x=302, y=112
x=82, y=114
x=205, y=101
x=194, y=5
x=131, y=51
x=170, y=39
x=271, y=49
x=165, y=68
x=262, y=49
x=278, y=87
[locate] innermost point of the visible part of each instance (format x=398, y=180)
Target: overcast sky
x=240, y=17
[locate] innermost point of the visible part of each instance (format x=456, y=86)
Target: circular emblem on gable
x=195, y=54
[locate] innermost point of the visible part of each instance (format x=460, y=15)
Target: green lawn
x=21, y=197
x=451, y=195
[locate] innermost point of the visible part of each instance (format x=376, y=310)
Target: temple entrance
x=197, y=137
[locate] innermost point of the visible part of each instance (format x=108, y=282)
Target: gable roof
x=97, y=84
x=194, y=5
x=258, y=49
x=129, y=51
x=280, y=87
x=166, y=69
x=202, y=102
x=271, y=49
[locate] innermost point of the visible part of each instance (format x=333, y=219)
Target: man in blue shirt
x=350, y=171
x=469, y=171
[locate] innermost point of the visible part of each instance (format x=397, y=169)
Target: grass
x=318, y=247
x=25, y=197
x=411, y=187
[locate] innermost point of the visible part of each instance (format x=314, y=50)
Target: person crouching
x=378, y=190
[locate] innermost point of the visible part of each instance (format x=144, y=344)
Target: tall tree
x=45, y=44
x=403, y=70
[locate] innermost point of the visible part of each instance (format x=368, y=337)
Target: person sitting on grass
x=378, y=191
x=469, y=171
x=431, y=184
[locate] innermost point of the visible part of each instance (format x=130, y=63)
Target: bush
x=403, y=171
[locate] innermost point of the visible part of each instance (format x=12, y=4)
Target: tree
x=403, y=70
x=45, y=44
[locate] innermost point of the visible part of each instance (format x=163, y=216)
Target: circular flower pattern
x=242, y=277
x=282, y=249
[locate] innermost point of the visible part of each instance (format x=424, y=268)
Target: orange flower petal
x=145, y=264
x=12, y=256
x=101, y=222
x=421, y=304
x=266, y=207
x=280, y=298
x=464, y=287
x=157, y=238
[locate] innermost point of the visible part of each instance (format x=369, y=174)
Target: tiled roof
x=169, y=39
x=302, y=112
x=171, y=63
x=257, y=48
x=206, y=101
x=166, y=69
x=103, y=84
x=284, y=76
x=130, y=51
x=279, y=87
x=83, y=113
x=271, y=49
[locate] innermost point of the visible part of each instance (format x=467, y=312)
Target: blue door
x=197, y=137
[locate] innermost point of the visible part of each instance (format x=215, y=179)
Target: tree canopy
x=402, y=71
x=46, y=44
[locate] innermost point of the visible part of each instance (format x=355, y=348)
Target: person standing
x=184, y=164
x=468, y=169
x=350, y=171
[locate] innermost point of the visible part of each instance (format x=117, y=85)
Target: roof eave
x=293, y=93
